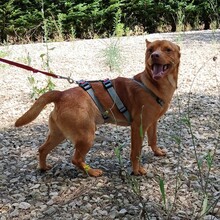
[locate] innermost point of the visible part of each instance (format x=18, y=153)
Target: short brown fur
x=75, y=115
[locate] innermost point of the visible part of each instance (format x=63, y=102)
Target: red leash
x=29, y=68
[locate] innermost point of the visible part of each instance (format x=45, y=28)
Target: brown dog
x=75, y=115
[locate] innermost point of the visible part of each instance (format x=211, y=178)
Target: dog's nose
x=155, y=54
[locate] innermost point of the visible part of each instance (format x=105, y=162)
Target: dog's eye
x=150, y=50
x=168, y=49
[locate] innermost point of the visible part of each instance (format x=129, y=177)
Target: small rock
x=33, y=213
x=86, y=198
x=87, y=207
x=78, y=203
x=53, y=194
x=35, y=186
x=103, y=212
x=77, y=216
x=50, y=202
x=105, y=197
x=195, y=184
x=15, y=204
x=113, y=214
x=24, y=205
x=86, y=216
x=96, y=210
x=50, y=211
x=216, y=211
x=122, y=212
x=14, y=180
x=193, y=177
x=210, y=217
x=14, y=213
x=150, y=175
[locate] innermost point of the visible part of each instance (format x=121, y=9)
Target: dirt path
x=65, y=193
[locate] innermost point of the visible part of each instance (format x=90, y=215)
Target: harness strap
x=158, y=100
x=88, y=88
x=109, y=87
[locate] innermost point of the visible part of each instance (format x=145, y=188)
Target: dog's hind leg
x=54, y=138
x=82, y=146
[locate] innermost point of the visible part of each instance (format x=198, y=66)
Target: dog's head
x=162, y=58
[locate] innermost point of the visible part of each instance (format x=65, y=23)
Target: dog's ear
x=147, y=42
x=178, y=47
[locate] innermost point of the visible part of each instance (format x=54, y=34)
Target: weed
x=118, y=150
x=205, y=163
x=118, y=26
x=113, y=56
x=72, y=33
x=37, y=89
x=162, y=190
x=28, y=59
x=3, y=53
x=203, y=171
x=132, y=181
x=45, y=58
x=59, y=26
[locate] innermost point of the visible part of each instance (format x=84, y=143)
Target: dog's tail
x=37, y=107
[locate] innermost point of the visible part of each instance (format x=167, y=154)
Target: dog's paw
x=45, y=168
x=140, y=172
x=159, y=152
x=95, y=172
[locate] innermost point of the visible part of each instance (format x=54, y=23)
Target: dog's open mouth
x=159, y=70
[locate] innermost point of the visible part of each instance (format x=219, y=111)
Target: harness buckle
x=84, y=84
x=123, y=109
x=107, y=83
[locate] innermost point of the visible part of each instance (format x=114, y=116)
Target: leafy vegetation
x=22, y=21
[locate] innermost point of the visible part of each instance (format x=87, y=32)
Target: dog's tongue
x=157, y=71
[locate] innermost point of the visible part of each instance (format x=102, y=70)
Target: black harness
x=116, y=99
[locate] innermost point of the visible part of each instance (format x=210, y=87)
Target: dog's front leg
x=136, y=146
x=152, y=140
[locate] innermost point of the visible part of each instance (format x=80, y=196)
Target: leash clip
x=70, y=80
x=67, y=78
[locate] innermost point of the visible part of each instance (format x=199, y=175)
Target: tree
x=7, y=12
x=207, y=12
x=29, y=19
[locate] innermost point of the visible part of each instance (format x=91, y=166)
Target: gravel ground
x=64, y=192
